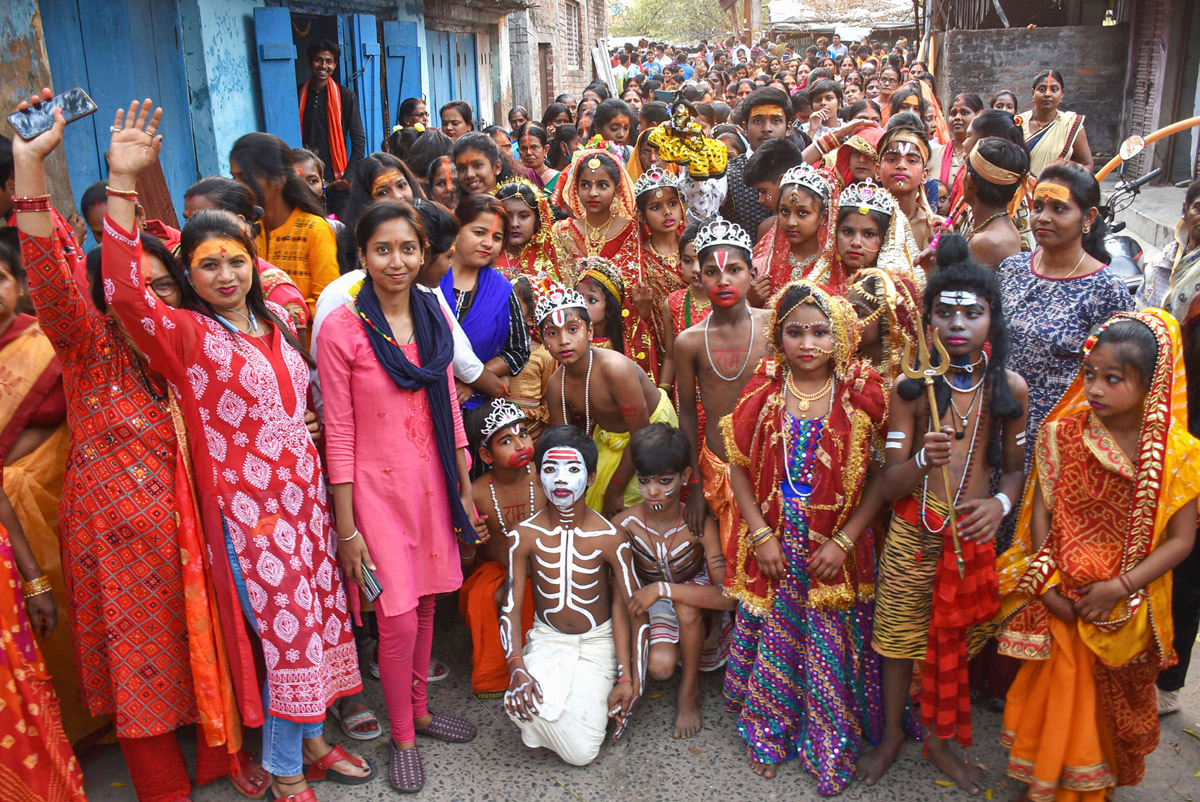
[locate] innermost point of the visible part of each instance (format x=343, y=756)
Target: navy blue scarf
x=435, y=347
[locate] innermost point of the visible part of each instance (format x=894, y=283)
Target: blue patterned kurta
x=1048, y=320
x=804, y=679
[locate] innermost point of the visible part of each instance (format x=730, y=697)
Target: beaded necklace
x=962, y=482
x=587, y=395
x=377, y=330
x=749, y=350
x=496, y=502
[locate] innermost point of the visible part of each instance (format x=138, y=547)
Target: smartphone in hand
x=39, y=119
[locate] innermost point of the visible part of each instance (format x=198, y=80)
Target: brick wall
x=1092, y=60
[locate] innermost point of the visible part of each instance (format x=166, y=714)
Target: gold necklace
x=1041, y=263
x=671, y=259
x=595, y=236
x=806, y=399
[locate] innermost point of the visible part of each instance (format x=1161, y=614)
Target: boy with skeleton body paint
x=586, y=657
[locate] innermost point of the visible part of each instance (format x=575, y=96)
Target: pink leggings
x=405, y=645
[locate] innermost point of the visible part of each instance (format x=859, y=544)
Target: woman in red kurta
x=242, y=381
x=145, y=646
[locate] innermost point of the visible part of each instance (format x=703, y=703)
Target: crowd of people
x=689, y=376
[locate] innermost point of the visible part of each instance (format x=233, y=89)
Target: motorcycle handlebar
x=1137, y=183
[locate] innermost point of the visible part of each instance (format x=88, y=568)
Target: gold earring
x=1087, y=228
x=613, y=207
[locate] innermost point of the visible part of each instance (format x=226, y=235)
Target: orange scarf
x=337, y=139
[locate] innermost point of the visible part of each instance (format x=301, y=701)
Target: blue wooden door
x=150, y=65
x=276, y=56
x=466, y=70
x=441, y=68
x=363, y=63
x=402, y=65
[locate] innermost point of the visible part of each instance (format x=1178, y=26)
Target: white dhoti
x=576, y=673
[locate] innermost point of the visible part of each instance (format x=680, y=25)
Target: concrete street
x=648, y=764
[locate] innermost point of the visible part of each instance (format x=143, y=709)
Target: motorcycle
x=1126, y=258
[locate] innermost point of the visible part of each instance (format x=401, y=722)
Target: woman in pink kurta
x=242, y=383
x=397, y=466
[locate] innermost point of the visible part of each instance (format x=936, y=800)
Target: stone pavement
x=648, y=764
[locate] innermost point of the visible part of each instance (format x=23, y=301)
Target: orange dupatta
x=337, y=138
x=1165, y=477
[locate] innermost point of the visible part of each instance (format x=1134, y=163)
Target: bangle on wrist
x=36, y=586
x=128, y=194
x=1005, y=502
x=624, y=679
x=1127, y=584
x=843, y=541
x=31, y=203
x=761, y=536
x=348, y=539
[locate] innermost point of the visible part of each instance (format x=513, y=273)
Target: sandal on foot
x=307, y=795
x=248, y=777
x=406, y=773
x=351, y=724
x=450, y=729
x=320, y=770
x=438, y=670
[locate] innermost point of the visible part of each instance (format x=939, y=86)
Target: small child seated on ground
x=680, y=576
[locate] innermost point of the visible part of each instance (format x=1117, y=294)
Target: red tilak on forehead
x=722, y=258
x=566, y=454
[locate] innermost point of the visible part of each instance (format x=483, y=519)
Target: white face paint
x=564, y=476
x=958, y=298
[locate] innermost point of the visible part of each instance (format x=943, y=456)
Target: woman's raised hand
x=42, y=145
x=134, y=145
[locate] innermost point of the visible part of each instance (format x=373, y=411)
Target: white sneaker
x=1168, y=702
x=438, y=670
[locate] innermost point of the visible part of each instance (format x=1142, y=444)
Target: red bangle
x=31, y=203
x=624, y=679
x=1126, y=583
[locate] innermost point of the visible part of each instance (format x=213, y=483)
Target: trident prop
x=926, y=371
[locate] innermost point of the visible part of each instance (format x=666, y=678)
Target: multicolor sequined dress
x=803, y=678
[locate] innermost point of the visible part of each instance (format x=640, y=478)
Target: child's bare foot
x=687, y=716
x=764, y=770
x=965, y=775
x=874, y=764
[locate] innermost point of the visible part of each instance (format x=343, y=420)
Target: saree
x=539, y=258
x=1054, y=142
x=29, y=373
x=36, y=761
x=1108, y=511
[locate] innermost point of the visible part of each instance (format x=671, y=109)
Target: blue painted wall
x=218, y=49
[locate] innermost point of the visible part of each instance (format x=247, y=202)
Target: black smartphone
x=39, y=119
x=664, y=96
x=370, y=586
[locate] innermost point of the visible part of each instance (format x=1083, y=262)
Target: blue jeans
x=282, y=740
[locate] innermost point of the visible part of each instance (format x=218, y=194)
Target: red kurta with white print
x=257, y=471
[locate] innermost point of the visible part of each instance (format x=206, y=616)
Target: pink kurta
x=258, y=471
x=380, y=437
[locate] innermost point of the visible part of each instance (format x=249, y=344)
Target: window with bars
x=574, y=34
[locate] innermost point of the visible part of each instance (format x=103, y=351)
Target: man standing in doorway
x=328, y=114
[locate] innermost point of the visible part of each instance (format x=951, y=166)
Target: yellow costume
x=612, y=448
